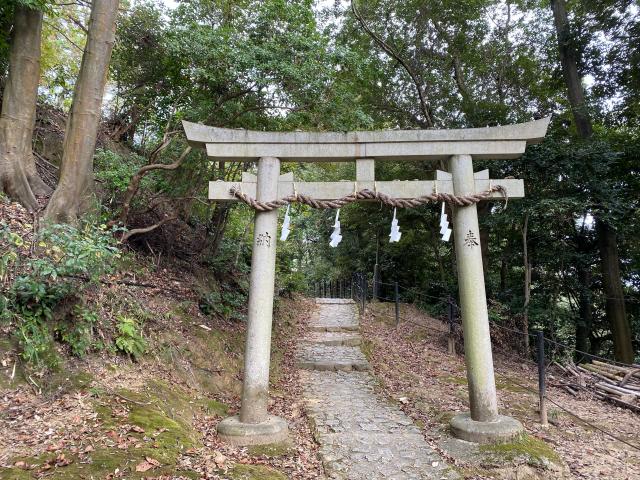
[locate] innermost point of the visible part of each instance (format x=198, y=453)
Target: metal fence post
x=374, y=295
x=363, y=283
x=397, y=299
x=451, y=341
x=542, y=387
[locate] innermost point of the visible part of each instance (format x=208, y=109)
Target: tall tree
x=74, y=192
x=607, y=237
x=18, y=175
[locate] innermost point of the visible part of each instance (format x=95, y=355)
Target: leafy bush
x=43, y=274
x=130, y=339
x=227, y=303
x=35, y=340
x=115, y=172
x=78, y=333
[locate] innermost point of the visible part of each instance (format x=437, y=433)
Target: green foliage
x=228, y=303
x=130, y=339
x=115, y=171
x=54, y=269
x=78, y=333
x=35, y=340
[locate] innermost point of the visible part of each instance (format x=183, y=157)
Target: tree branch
x=424, y=104
x=138, y=231
x=134, y=184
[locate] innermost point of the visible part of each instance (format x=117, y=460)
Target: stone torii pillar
x=482, y=424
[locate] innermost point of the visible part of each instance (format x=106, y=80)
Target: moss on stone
x=254, y=472
x=14, y=473
x=165, y=415
x=214, y=407
x=535, y=451
x=453, y=379
x=508, y=385
x=271, y=450
x=66, y=382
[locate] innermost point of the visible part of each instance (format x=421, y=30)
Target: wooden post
x=542, y=384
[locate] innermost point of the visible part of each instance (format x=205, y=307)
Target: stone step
x=345, y=328
x=347, y=339
x=343, y=301
x=337, y=317
x=312, y=356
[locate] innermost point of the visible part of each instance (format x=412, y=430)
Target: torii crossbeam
x=483, y=424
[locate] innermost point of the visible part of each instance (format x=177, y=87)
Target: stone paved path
x=361, y=434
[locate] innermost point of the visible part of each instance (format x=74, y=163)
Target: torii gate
x=483, y=424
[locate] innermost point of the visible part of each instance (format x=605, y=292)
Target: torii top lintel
x=503, y=142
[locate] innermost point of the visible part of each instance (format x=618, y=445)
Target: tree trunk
x=585, y=322
x=607, y=238
x=527, y=282
x=218, y=224
x=504, y=271
x=569, y=61
x=616, y=314
x=75, y=189
x=18, y=175
x=484, y=208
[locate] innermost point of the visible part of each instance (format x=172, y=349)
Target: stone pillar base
x=503, y=430
x=233, y=431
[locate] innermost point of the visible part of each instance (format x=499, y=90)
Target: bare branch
x=138, y=231
x=134, y=184
x=424, y=104
x=57, y=29
x=78, y=24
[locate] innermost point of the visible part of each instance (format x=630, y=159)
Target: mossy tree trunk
x=75, y=189
x=615, y=307
x=18, y=175
x=607, y=237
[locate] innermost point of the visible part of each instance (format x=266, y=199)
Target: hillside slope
x=415, y=369
x=87, y=410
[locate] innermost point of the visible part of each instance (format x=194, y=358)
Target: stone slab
x=335, y=317
x=235, y=432
x=314, y=356
x=199, y=135
x=346, y=301
x=221, y=191
x=349, y=339
x=503, y=430
x=345, y=152
x=363, y=436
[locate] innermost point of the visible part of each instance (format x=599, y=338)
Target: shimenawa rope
x=366, y=194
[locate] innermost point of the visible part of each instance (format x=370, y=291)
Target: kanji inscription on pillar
x=264, y=240
x=470, y=240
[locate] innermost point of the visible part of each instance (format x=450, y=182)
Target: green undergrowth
x=253, y=472
x=368, y=347
x=158, y=418
x=271, y=450
x=534, y=451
